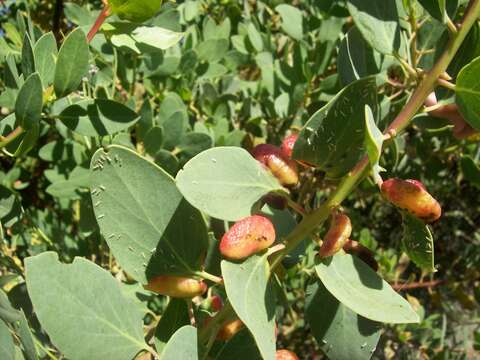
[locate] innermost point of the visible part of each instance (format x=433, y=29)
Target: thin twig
x=98, y=23
x=5, y=140
x=417, y=285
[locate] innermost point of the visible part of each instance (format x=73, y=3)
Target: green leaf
x=7, y=346
x=182, y=345
x=253, y=299
x=418, y=242
x=373, y=143
x=238, y=179
x=79, y=15
x=97, y=320
x=377, y=20
x=146, y=119
x=29, y=104
x=468, y=51
x=174, y=317
x=212, y=49
x=24, y=143
x=340, y=333
x=174, y=127
x=156, y=37
x=292, y=20
x=78, y=178
x=467, y=92
x=28, y=59
x=470, y=170
x=7, y=312
x=153, y=140
x=242, y=346
x=356, y=58
x=194, y=143
x=373, y=137
x=359, y=288
x=72, y=63
x=26, y=337
x=135, y=10
x=439, y=9
x=255, y=37
x=46, y=53
x=98, y=117
x=334, y=138
x=149, y=227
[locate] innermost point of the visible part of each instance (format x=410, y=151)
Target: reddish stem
x=417, y=285
x=98, y=23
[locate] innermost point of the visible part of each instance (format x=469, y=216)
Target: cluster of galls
x=409, y=195
x=245, y=238
x=256, y=233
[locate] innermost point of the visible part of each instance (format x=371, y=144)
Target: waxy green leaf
x=418, y=242
x=253, y=299
x=182, y=345
x=97, y=320
x=238, y=179
x=99, y=117
x=29, y=104
x=334, y=138
x=377, y=20
x=340, y=332
x=467, y=92
x=147, y=224
x=72, y=63
x=360, y=289
x=46, y=53
x=173, y=318
x=7, y=346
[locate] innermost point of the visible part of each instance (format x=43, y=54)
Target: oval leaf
x=340, y=333
x=418, y=242
x=377, y=20
x=46, y=52
x=356, y=58
x=240, y=347
x=28, y=59
x=359, y=288
x=174, y=317
x=7, y=346
x=334, y=137
x=72, y=63
x=99, y=117
x=470, y=170
x=182, y=345
x=467, y=92
x=29, y=103
x=292, y=20
x=101, y=321
x=237, y=179
x=253, y=299
x=156, y=37
x=147, y=224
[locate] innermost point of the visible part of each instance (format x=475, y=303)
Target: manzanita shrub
x=220, y=179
